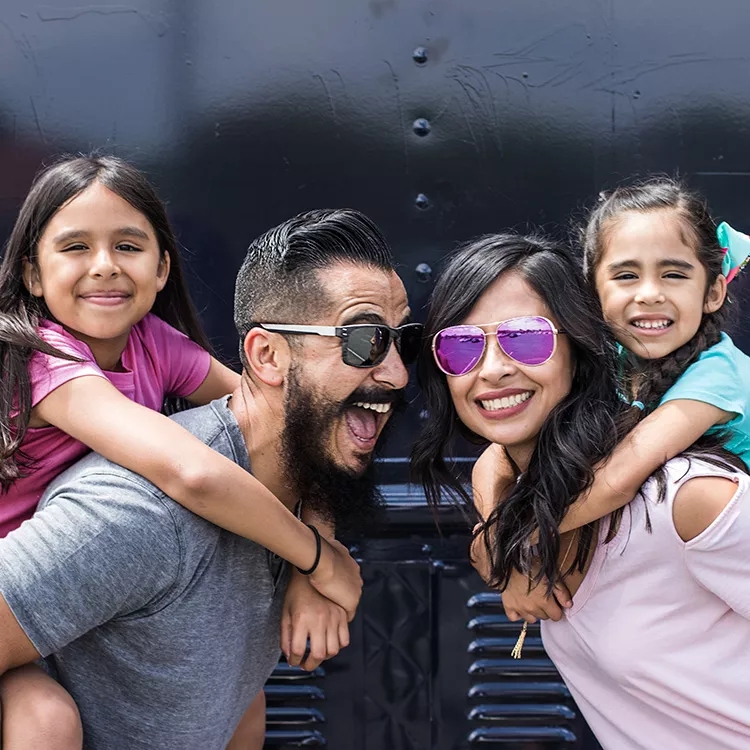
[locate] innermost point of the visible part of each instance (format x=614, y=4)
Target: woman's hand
x=521, y=602
x=337, y=577
x=308, y=616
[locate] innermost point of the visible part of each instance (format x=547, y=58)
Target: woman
x=656, y=649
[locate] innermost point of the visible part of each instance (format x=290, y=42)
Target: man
x=162, y=626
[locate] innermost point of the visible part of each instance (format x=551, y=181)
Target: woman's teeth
x=506, y=402
x=380, y=408
x=652, y=323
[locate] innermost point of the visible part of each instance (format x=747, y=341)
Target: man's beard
x=351, y=500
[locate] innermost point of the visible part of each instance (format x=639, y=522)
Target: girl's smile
x=98, y=267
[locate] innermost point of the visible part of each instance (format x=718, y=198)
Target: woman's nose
x=495, y=363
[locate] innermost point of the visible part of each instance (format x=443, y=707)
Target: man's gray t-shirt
x=162, y=626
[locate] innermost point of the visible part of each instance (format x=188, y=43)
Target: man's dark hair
x=278, y=282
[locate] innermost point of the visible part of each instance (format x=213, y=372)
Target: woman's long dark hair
x=579, y=432
x=20, y=312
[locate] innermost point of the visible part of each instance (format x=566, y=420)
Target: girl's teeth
x=651, y=323
x=506, y=402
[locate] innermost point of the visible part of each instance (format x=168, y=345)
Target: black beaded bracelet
x=318, y=546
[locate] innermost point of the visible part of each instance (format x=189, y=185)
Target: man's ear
x=717, y=293
x=31, y=279
x=267, y=355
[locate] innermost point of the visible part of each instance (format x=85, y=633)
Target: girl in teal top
x=660, y=267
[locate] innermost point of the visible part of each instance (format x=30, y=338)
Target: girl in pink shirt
x=96, y=331
x=656, y=649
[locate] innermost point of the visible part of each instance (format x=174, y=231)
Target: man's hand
x=337, y=577
x=531, y=604
x=308, y=615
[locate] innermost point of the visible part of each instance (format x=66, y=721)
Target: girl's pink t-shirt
x=656, y=648
x=158, y=361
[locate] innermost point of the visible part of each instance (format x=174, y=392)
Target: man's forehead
x=356, y=290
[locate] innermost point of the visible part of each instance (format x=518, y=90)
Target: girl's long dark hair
x=579, y=432
x=21, y=312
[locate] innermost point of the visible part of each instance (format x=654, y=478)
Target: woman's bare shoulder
x=700, y=501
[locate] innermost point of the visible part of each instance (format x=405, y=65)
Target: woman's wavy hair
x=21, y=312
x=579, y=432
x=656, y=376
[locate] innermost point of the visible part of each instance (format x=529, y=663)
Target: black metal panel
x=440, y=119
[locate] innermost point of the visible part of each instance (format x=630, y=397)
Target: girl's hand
x=337, y=577
x=522, y=603
x=309, y=616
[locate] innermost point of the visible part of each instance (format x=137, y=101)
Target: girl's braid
x=658, y=376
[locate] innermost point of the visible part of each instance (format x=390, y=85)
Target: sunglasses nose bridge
x=494, y=357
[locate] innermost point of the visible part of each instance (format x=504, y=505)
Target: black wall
x=246, y=112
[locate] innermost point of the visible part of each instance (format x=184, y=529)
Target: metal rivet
x=426, y=549
x=424, y=272
x=421, y=127
x=420, y=55
x=422, y=201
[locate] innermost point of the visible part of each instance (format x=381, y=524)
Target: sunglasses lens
x=410, y=343
x=529, y=341
x=458, y=349
x=366, y=345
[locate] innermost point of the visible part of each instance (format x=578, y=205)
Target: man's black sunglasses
x=363, y=345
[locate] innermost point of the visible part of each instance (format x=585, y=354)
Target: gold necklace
x=516, y=652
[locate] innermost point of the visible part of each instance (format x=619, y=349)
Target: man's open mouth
x=365, y=419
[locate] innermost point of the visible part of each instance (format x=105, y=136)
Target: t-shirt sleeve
x=713, y=379
x=47, y=373
x=100, y=549
x=184, y=364
x=719, y=558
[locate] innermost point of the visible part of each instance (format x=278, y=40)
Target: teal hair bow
x=736, y=250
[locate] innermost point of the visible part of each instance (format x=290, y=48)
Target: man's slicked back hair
x=278, y=281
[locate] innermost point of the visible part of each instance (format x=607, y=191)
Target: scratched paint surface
x=246, y=113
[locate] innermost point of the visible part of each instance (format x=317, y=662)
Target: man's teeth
x=506, y=401
x=651, y=323
x=380, y=408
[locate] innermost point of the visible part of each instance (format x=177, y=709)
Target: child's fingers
x=318, y=648
x=298, y=645
x=551, y=611
x=286, y=635
x=561, y=593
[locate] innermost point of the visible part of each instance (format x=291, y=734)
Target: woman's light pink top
x=158, y=361
x=656, y=648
